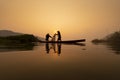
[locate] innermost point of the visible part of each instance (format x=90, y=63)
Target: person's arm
x=55, y=34
x=50, y=36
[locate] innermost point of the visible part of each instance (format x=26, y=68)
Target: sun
x=55, y=31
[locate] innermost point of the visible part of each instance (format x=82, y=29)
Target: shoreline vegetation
x=18, y=42
x=18, y=39
x=111, y=40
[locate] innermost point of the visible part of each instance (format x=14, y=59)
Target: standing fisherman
x=59, y=35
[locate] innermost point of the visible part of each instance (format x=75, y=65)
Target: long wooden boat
x=67, y=41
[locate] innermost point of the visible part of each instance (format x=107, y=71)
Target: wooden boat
x=67, y=41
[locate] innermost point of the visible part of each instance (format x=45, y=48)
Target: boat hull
x=67, y=41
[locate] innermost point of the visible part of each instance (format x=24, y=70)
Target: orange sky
x=74, y=18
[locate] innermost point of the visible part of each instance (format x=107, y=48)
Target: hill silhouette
x=5, y=33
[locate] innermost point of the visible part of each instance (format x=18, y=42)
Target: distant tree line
x=23, y=39
x=112, y=38
x=112, y=41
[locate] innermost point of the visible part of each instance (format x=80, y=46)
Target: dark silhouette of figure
x=54, y=37
x=47, y=36
x=59, y=35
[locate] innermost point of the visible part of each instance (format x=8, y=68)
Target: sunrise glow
x=74, y=18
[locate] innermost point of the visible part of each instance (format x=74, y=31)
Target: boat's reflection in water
x=57, y=47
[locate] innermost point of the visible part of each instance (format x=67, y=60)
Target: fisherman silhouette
x=59, y=36
x=54, y=45
x=47, y=36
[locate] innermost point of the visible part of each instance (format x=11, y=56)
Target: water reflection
x=115, y=47
x=57, y=47
x=53, y=46
x=19, y=47
x=112, y=46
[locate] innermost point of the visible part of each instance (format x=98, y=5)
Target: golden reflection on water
x=96, y=62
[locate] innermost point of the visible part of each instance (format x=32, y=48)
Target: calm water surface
x=61, y=62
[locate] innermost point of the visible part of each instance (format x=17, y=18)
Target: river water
x=85, y=61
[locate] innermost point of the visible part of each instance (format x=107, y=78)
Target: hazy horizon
x=74, y=18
